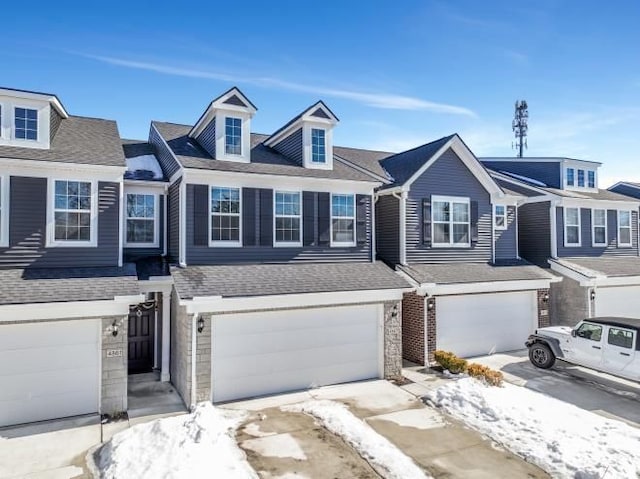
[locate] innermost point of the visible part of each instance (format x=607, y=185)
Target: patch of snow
x=280, y=445
x=384, y=457
x=524, y=178
x=147, y=163
x=253, y=429
x=197, y=445
x=562, y=439
x=374, y=396
x=423, y=418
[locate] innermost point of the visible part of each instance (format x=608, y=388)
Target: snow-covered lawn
x=197, y=445
x=383, y=456
x=562, y=439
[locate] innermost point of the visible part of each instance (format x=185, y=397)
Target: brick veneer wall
x=113, y=388
x=413, y=327
x=544, y=317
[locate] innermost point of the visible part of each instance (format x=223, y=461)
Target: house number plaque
x=114, y=353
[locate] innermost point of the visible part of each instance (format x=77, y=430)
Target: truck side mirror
x=573, y=333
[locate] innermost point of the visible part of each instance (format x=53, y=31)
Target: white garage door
x=478, y=324
x=618, y=301
x=261, y=353
x=48, y=370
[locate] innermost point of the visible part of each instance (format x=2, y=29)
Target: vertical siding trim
x=182, y=254
x=374, y=200
x=554, y=230
x=121, y=222
x=493, y=229
x=402, y=229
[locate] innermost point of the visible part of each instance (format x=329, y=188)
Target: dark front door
x=141, y=322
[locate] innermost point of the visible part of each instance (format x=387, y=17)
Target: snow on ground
x=147, y=163
x=562, y=439
x=383, y=456
x=197, y=445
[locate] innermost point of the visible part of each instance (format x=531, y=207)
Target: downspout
x=493, y=230
x=165, y=234
x=194, y=343
x=517, y=233
x=553, y=228
x=121, y=220
x=373, y=227
x=182, y=242
x=402, y=227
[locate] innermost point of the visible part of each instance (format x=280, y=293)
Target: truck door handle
x=625, y=354
x=596, y=347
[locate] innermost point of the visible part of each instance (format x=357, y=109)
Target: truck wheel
x=541, y=356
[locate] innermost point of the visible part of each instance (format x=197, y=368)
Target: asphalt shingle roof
x=452, y=273
x=133, y=148
x=366, y=159
x=79, y=140
x=603, y=265
x=52, y=285
x=273, y=279
x=264, y=160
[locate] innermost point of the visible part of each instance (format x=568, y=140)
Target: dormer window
x=571, y=177
x=26, y=124
x=591, y=179
x=233, y=136
x=318, y=146
x=581, y=178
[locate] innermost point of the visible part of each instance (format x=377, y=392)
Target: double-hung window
x=624, y=228
x=572, y=236
x=225, y=216
x=581, y=178
x=73, y=212
x=599, y=227
x=500, y=217
x=591, y=179
x=451, y=222
x=571, y=180
x=233, y=136
x=318, y=146
x=142, y=220
x=26, y=124
x=287, y=218
x=343, y=220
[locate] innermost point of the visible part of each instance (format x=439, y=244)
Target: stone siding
x=392, y=339
x=413, y=328
x=203, y=361
x=569, y=302
x=543, y=308
x=115, y=368
x=181, y=349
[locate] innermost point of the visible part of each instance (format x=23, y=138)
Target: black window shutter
x=362, y=205
x=308, y=218
x=324, y=219
x=266, y=217
x=474, y=222
x=201, y=215
x=426, y=221
x=248, y=216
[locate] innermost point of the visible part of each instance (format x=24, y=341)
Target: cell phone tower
x=520, y=126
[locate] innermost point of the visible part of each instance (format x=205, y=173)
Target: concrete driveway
x=597, y=392
x=287, y=444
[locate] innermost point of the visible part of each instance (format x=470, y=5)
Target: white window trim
x=450, y=199
x=324, y=131
x=342, y=244
x=4, y=211
x=13, y=124
x=496, y=215
x=224, y=125
x=593, y=228
x=287, y=244
x=584, y=178
x=595, y=180
x=307, y=147
x=156, y=219
x=51, y=197
x=630, y=243
x=579, y=225
x=225, y=243
x=567, y=177
x=221, y=136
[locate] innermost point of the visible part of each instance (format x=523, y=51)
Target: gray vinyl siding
x=548, y=172
x=586, y=249
x=252, y=253
x=291, y=146
x=133, y=254
x=534, y=232
x=165, y=158
x=506, y=247
x=448, y=176
x=55, y=120
x=173, y=233
x=387, y=229
x=27, y=229
x=627, y=190
x=207, y=138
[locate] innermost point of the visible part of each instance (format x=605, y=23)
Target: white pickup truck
x=610, y=345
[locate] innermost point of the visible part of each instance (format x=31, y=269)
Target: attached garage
x=269, y=352
x=618, y=301
x=49, y=370
x=478, y=324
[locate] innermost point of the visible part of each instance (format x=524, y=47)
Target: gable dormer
x=224, y=129
x=29, y=119
x=308, y=138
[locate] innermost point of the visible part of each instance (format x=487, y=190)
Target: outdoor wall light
x=394, y=312
x=545, y=298
x=200, y=325
x=114, y=328
x=430, y=304
x=593, y=295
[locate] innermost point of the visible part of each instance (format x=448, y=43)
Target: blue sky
x=397, y=74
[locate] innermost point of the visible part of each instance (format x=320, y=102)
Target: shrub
x=488, y=375
x=450, y=361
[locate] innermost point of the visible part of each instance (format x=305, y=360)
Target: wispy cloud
x=516, y=57
x=372, y=99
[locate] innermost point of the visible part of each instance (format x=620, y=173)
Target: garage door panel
x=48, y=370
x=472, y=325
x=618, y=301
x=262, y=353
